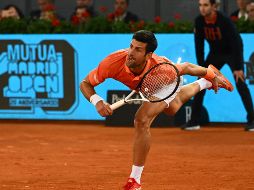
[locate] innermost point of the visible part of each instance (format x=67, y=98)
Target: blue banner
x=40, y=74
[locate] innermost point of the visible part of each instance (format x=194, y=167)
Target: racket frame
x=143, y=98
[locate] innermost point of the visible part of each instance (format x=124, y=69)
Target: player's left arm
x=195, y=70
x=191, y=69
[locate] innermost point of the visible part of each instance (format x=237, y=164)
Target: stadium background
x=150, y=8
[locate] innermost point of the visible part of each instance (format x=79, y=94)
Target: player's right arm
x=89, y=93
x=98, y=76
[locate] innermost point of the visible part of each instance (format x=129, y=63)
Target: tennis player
x=128, y=66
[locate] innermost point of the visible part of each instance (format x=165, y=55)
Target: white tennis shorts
x=176, y=92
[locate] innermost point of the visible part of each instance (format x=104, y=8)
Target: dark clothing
x=235, y=13
x=90, y=10
x=225, y=47
x=130, y=17
x=238, y=15
x=222, y=37
x=36, y=14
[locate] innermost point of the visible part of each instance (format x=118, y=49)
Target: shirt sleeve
x=99, y=74
x=107, y=67
x=235, y=42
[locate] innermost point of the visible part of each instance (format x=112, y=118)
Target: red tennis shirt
x=113, y=66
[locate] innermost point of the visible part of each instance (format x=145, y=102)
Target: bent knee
x=142, y=123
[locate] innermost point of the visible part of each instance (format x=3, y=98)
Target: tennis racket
x=159, y=83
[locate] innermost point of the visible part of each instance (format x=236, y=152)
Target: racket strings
x=159, y=82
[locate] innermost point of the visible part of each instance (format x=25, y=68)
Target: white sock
x=204, y=84
x=136, y=172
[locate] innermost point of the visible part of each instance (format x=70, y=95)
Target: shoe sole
x=250, y=130
x=228, y=86
x=193, y=128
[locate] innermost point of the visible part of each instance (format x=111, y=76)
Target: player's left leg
x=186, y=93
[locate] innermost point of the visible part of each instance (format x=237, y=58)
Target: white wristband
x=94, y=99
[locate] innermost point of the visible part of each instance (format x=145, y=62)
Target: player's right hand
x=103, y=108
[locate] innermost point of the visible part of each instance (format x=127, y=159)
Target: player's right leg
x=142, y=137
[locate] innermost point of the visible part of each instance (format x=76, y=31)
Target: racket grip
x=117, y=104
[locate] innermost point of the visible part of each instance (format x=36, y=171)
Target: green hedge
x=102, y=25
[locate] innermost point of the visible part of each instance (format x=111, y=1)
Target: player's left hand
x=238, y=74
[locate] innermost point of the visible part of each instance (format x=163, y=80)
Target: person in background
x=250, y=11
x=11, y=11
x=84, y=10
x=226, y=46
x=241, y=12
x=121, y=12
x=46, y=11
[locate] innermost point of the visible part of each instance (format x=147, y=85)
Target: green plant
x=102, y=24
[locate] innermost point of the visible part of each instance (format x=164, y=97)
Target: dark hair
x=212, y=2
x=148, y=37
x=21, y=15
x=127, y=2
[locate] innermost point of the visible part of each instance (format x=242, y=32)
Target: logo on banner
x=37, y=77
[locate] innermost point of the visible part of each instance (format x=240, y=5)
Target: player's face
x=137, y=56
x=206, y=8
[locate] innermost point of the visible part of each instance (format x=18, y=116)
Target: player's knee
x=142, y=123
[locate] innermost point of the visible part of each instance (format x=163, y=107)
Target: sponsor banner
x=40, y=74
x=33, y=78
x=125, y=114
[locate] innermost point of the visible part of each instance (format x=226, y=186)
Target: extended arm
x=192, y=69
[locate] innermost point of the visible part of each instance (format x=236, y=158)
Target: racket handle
x=117, y=104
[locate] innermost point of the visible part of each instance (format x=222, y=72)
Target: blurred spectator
x=46, y=11
x=241, y=11
x=88, y=5
x=250, y=11
x=83, y=11
x=121, y=12
x=11, y=11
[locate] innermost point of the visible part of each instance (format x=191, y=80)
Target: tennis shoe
x=224, y=81
x=132, y=185
x=250, y=127
x=191, y=126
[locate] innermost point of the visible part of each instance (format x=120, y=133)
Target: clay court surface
x=63, y=156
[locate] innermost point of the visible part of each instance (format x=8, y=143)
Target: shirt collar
x=147, y=67
x=212, y=20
